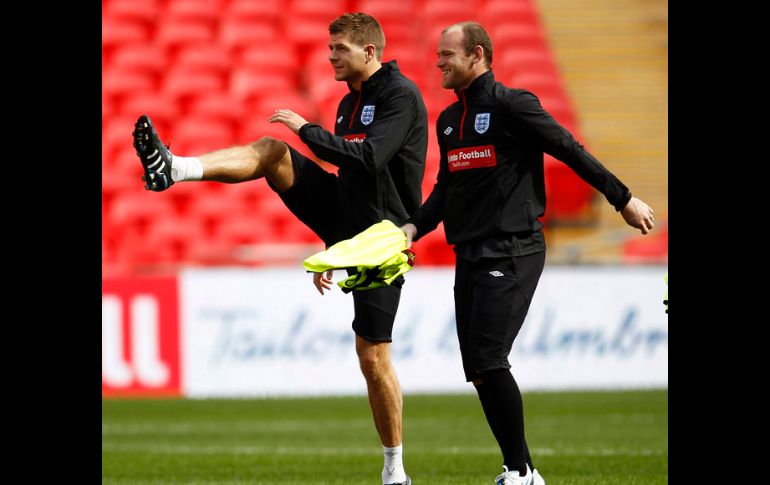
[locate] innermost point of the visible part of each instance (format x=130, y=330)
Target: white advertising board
x=266, y=332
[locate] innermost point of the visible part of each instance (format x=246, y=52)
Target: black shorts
x=492, y=297
x=375, y=311
x=313, y=199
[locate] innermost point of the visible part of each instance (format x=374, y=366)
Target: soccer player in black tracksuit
x=379, y=144
x=489, y=193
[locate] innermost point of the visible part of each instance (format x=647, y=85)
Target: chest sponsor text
x=471, y=157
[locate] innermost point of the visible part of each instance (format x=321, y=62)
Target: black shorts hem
x=372, y=339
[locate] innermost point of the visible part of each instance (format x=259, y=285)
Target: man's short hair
x=362, y=29
x=473, y=35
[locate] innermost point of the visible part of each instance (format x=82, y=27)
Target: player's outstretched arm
x=639, y=215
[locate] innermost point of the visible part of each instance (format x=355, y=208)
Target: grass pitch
x=601, y=438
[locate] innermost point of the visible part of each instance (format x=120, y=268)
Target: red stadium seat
x=651, y=248
x=158, y=106
x=317, y=66
x=389, y=11
x=203, y=11
x=241, y=34
x=126, y=162
x=117, y=182
x=443, y=13
x=140, y=209
x=218, y=106
x=240, y=230
x=138, y=254
x=117, y=32
x=255, y=83
x=399, y=21
x=403, y=35
x=496, y=12
x=306, y=34
x=197, y=135
x=320, y=10
x=139, y=57
x=560, y=109
x=178, y=231
x=270, y=11
x=433, y=250
x=432, y=161
x=437, y=98
x=108, y=107
x=204, y=58
x=275, y=217
x=212, y=207
x=519, y=36
x=182, y=81
x=119, y=82
x=173, y=35
x=572, y=196
x=144, y=13
x=262, y=56
x=210, y=251
x=516, y=62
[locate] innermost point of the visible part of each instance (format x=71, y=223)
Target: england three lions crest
x=482, y=123
x=367, y=114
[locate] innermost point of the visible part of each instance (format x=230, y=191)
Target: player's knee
x=372, y=365
x=271, y=150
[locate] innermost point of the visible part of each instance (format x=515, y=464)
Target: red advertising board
x=140, y=337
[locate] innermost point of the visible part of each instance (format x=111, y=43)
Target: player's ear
x=478, y=54
x=370, y=52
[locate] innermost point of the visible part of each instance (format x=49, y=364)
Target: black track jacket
x=379, y=144
x=490, y=180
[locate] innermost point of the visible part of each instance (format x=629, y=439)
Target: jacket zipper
x=353, y=115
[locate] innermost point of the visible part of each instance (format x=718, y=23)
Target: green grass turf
x=597, y=438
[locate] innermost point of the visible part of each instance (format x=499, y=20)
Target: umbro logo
x=496, y=274
x=448, y=130
x=339, y=120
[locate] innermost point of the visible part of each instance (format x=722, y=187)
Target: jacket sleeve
x=555, y=140
x=395, y=113
x=427, y=217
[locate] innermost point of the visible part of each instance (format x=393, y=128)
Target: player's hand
x=410, y=230
x=289, y=118
x=321, y=281
x=639, y=215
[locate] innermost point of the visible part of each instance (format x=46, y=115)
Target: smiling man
x=379, y=144
x=490, y=193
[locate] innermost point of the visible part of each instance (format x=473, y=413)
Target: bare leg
x=384, y=390
x=266, y=157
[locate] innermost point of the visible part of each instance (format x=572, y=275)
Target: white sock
x=186, y=168
x=393, y=471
